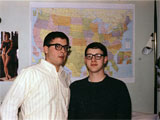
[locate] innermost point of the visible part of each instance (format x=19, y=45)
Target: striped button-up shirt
x=41, y=92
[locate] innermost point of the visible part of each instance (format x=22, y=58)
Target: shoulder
x=31, y=70
x=30, y=74
x=79, y=83
x=79, y=86
x=115, y=82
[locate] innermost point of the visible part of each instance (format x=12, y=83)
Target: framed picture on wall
x=8, y=55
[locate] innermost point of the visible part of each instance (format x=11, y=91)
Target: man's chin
x=94, y=70
x=62, y=63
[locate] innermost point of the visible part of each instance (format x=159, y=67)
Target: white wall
x=142, y=91
x=15, y=16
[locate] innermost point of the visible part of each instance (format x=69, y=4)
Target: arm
x=72, y=105
x=1, y=46
x=2, y=49
x=124, y=108
x=14, y=98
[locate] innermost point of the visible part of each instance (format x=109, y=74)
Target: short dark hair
x=8, y=34
x=97, y=45
x=53, y=35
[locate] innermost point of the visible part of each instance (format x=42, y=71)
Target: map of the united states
x=112, y=27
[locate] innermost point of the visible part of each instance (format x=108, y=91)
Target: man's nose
x=93, y=58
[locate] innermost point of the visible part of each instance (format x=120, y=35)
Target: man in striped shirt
x=42, y=90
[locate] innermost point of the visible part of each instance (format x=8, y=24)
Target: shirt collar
x=50, y=66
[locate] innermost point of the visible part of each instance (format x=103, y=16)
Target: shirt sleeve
x=124, y=108
x=15, y=97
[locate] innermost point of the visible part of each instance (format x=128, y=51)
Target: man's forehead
x=58, y=40
x=94, y=50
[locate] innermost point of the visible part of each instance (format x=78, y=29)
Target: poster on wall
x=8, y=55
x=111, y=24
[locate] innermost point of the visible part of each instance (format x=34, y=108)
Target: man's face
x=56, y=57
x=95, y=65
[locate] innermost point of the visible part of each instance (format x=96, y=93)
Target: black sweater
x=108, y=99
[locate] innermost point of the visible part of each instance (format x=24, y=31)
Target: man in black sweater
x=98, y=96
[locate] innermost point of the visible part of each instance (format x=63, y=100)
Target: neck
x=96, y=77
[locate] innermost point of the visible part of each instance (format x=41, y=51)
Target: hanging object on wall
x=0, y=20
x=149, y=46
x=10, y=52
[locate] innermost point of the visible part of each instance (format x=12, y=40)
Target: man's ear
x=105, y=59
x=45, y=49
x=85, y=61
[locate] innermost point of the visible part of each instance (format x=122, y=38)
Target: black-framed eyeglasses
x=97, y=56
x=59, y=47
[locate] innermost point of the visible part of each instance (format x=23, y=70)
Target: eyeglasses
x=97, y=56
x=59, y=47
